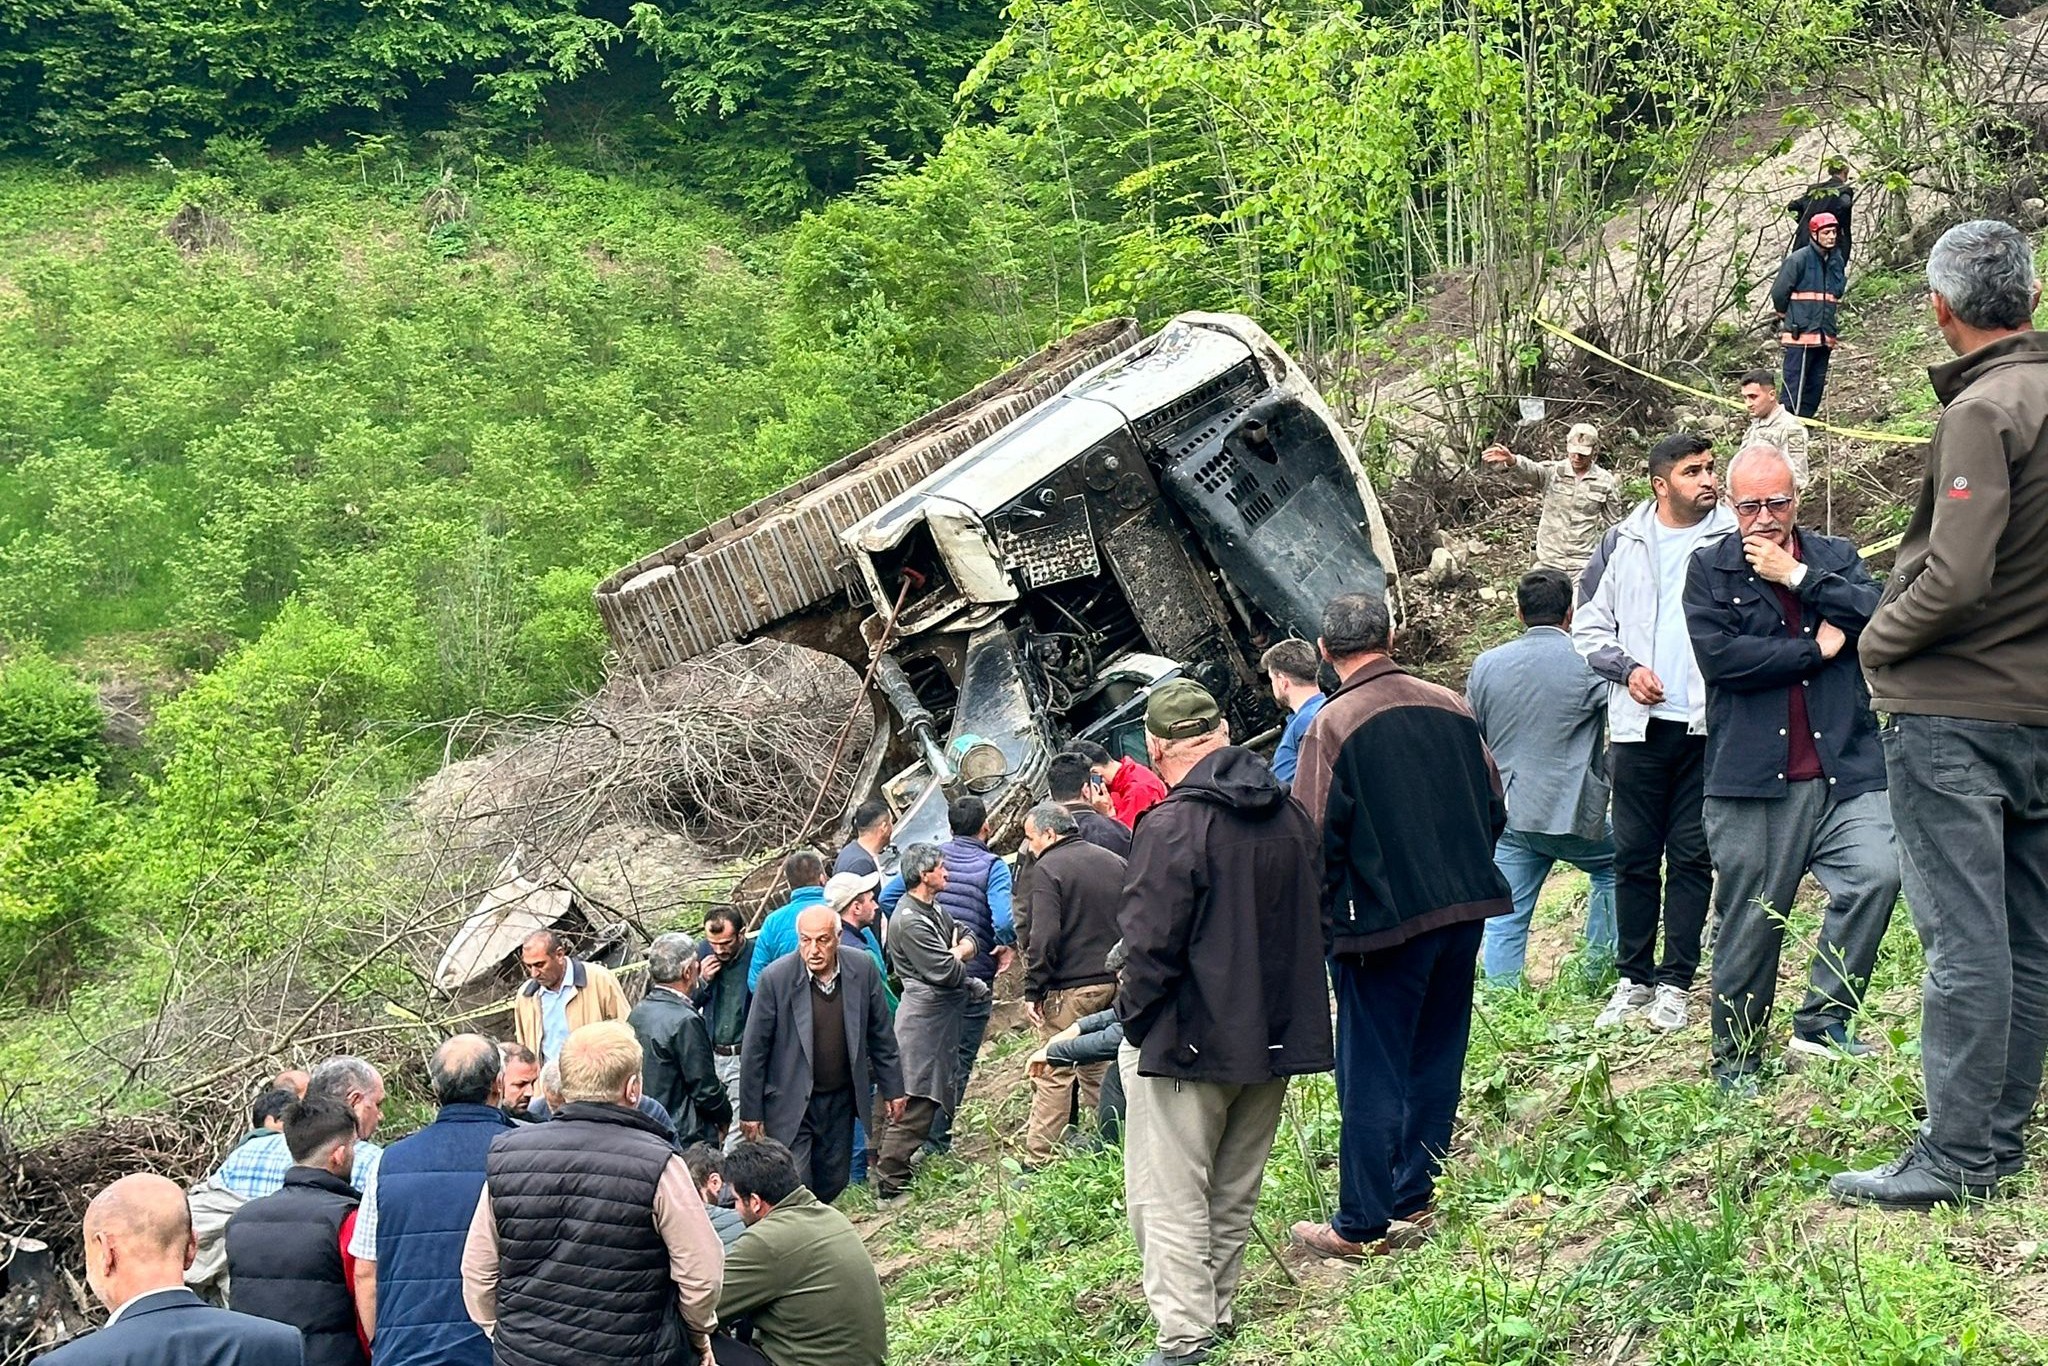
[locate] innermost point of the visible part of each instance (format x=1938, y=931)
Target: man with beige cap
x=1581, y=499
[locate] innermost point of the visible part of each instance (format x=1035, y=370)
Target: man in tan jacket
x=1957, y=652
x=560, y=995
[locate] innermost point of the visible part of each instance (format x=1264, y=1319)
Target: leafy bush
x=50, y=722
x=60, y=880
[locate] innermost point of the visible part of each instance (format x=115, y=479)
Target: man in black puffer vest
x=288, y=1253
x=590, y=1241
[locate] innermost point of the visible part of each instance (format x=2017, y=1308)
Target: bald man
x=138, y=1242
x=818, y=1038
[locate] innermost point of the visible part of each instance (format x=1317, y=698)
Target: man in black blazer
x=138, y=1242
x=818, y=1038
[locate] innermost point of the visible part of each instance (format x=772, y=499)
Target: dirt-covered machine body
x=1020, y=567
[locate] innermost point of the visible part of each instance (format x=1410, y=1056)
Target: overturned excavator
x=1020, y=567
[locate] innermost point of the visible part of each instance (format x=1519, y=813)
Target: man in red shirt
x=1795, y=780
x=1123, y=787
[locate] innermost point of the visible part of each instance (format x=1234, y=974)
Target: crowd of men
x=1692, y=721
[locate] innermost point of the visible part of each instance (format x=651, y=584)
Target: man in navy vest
x=425, y=1191
x=977, y=894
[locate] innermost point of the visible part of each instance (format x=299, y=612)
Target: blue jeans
x=1525, y=860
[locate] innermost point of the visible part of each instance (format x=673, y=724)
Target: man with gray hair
x=1957, y=653
x=418, y=1204
x=679, y=1070
x=1794, y=779
x=929, y=950
x=1076, y=891
x=1410, y=806
x=257, y=1168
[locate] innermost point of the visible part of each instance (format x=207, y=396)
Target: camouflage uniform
x=1784, y=431
x=1577, y=510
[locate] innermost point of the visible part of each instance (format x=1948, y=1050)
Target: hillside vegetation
x=343, y=348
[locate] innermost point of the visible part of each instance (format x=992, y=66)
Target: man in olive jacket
x=800, y=1283
x=1224, y=997
x=1410, y=805
x=1957, y=652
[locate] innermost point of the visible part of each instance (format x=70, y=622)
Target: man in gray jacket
x=929, y=951
x=1543, y=713
x=1631, y=628
x=1957, y=652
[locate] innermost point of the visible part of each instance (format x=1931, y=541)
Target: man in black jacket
x=1076, y=891
x=1410, y=807
x=1224, y=998
x=678, y=1069
x=1833, y=195
x=1795, y=779
x=589, y=1241
x=288, y=1253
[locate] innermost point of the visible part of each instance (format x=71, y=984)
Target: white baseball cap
x=842, y=889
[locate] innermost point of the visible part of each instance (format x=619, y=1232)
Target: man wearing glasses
x=1795, y=780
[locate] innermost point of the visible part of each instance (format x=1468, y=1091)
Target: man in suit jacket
x=138, y=1242
x=818, y=1035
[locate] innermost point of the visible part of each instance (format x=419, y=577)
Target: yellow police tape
x=1883, y=547
x=1815, y=424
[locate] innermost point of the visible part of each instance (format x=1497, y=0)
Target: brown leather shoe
x=1325, y=1241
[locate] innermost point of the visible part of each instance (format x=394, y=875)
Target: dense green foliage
x=50, y=722
x=768, y=102
x=356, y=440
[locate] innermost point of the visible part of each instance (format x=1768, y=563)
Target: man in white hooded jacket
x=1630, y=626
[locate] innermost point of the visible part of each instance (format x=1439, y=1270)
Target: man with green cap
x=1223, y=998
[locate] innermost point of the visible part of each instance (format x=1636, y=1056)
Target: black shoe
x=1738, y=1081
x=1909, y=1181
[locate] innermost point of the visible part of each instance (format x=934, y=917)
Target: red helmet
x=1821, y=220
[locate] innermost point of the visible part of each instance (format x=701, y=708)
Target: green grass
x=1605, y=1204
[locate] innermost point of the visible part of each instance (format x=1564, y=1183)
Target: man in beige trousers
x=1223, y=998
x=1076, y=890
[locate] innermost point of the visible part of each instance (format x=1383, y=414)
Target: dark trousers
x=1109, y=1108
x=1806, y=376
x=1660, y=843
x=824, y=1143
x=728, y=1351
x=1970, y=804
x=1404, y=1016
x=898, y=1141
x=973, y=1028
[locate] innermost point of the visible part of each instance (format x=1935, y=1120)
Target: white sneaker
x=1670, y=1010
x=1629, y=1000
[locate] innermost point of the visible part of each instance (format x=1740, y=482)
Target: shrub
x=59, y=881
x=49, y=722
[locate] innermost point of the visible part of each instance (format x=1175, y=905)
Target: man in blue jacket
x=804, y=871
x=1795, y=780
x=1807, y=296
x=138, y=1242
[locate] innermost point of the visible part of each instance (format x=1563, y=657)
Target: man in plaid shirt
x=257, y=1167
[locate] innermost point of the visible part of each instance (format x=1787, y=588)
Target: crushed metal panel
x=509, y=911
x=1169, y=593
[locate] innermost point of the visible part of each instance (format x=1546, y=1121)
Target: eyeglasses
x=1750, y=507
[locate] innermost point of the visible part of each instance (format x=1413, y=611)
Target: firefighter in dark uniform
x=1807, y=296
